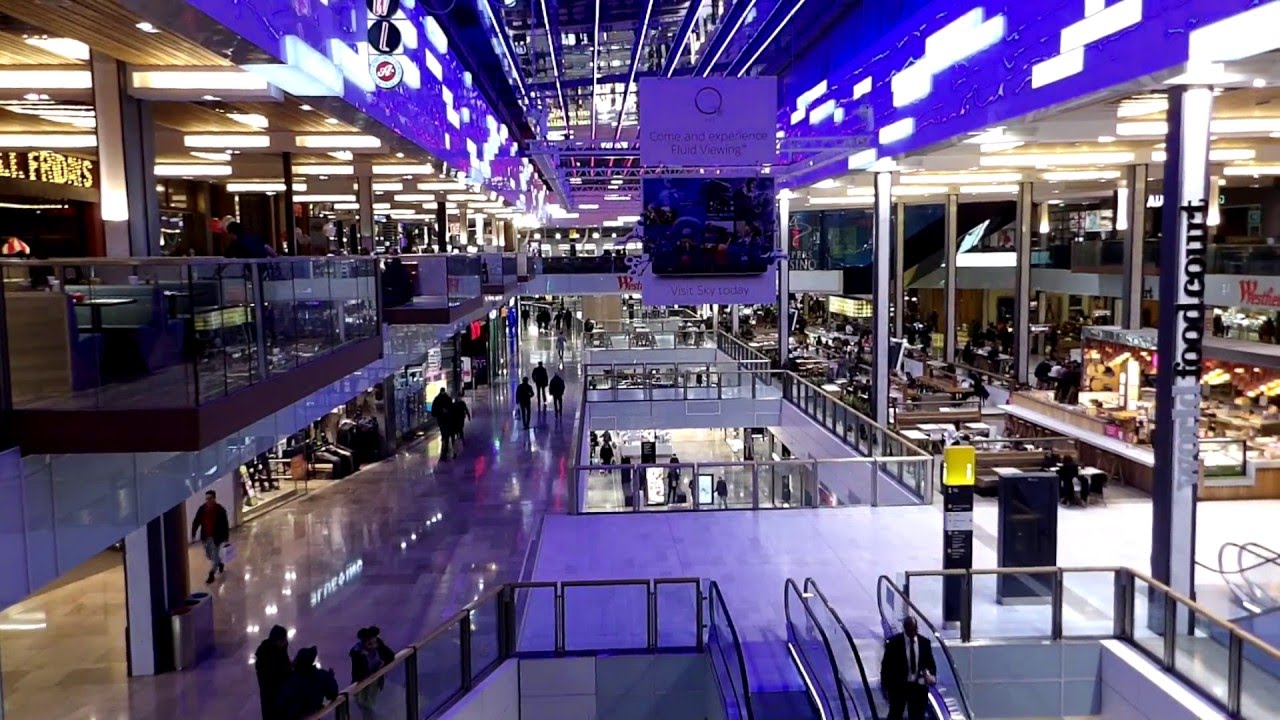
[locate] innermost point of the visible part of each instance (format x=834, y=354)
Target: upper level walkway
x=401, y=545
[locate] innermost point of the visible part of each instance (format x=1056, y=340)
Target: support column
x=155, y=582
x=479, y=230
x=733, y=319
x=364, y=198
x=1183, y=246
x=950, y=248
x=881, y=267
x=464, y=226
x=899, y=269
x=442, y=227
x=126, y=164
x=290, y=221
x=1022, y=284
x=784, y=280
x=510, y=241
x=1131, y=208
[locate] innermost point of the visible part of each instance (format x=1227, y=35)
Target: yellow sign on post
x=961, y=465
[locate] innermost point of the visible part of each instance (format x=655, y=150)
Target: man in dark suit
x=906, y=672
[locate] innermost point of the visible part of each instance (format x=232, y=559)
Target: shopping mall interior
x=681, y=359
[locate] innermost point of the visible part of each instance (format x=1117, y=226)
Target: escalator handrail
x=826, y=642
x=715, y=597
x=886, y=581
x=1274, y=558
x=812, y=585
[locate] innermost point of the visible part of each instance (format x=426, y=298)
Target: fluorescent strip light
x=987, y=259
x=1069, y=175
x=66, y=47
x=1249, y=170
x=346, y=206
x=1219, y=155
x=253, y=120
x=986, y=189
x=45, y=80
x=394, y=169
x=465, y=197
x=795, y=7
x=324, y=198
x=388, y=186
x=212, y=156
x=197, y=80
x=914, y=190
x=629, y=218
x=414, y=197
x=338, y=140
x=1223, y=126
x=262, y=187
x=588, y=206
x=227, y=141
x=841, y=200
x=742, y=17
x=900, y=130
x=1137, y=107
x=958, y=178
x=183, y=170
x=441, y=186
x=61, y=141
x=1050, y=160
x=324, y=169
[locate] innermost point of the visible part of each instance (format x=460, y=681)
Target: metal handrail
x=716, y=598
x=790, y=584
x=885, y=581
x=1123, y=620
x=182, y=260
x=811, y=585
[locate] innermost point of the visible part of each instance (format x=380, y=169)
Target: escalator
x=824, y=650
x=1252, y=573
x=946, y=698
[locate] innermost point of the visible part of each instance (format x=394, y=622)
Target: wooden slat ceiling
x=14, y=50
x=11, y=122
x=205, y=118
x=108, y=27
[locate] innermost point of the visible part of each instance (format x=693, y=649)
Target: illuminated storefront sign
x=52, y=168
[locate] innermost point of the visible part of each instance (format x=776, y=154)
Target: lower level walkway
x=401, y=544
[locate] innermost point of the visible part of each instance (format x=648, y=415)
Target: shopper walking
x=556, y=388
x=213, y=529
x=561, y=341
x=524, y=399
x=459, y=414
x=272, y=665
x=540, y=379
x=308, y=688
x=368, y=656
x=544, y=321
x=907, y=670
x=442, y=411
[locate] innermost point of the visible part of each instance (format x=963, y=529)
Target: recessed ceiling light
x=210, y=98
x=1106, y=139
x=1259, y=82
x=400, y=155
x=147, y=27
x=332, y=121
x=305, y=108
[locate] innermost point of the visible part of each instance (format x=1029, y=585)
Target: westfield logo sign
x=626, y=283
x=1250, y=295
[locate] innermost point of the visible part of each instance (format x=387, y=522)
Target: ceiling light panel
x=1072, y=175
x=199, y=170
x=229, y=140
x=66, y=47
x=45, y=80
x=340, y=141
x=60, y=141
x=394, y=169
x=324, y=169
x=1054, y=159
x=958, y=178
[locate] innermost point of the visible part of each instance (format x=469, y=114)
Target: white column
x=950, y=339
x=784, y=279
x=1183, y=249
x=1131, y=209
x=479, y=231
x=126, y=164
x=881, y=267
x=1022, y=284
x=899, y=268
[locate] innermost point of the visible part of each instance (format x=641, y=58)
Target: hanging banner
x=707, y=241
x=708, y=122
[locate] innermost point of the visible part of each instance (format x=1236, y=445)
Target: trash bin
x=192, y=630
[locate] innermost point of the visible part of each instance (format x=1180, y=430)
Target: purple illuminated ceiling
x=995, y=84
x=437, y=106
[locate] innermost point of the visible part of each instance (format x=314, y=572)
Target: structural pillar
x=364, y=198
x=156, y=581
x=479, y=230
x=950, y=249
x=290, y=221
x=784, y=279
x=733, y=319
x=1183, y=248
x=1022, y=284
x=899, y=269
x=442, y=227
x=126, y=134
x=881, y=267
x=509, y=234
x=1131, y=208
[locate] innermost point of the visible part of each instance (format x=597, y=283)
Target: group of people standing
x=291, y=689
x=546, y=384
x=451, y=415
x=561, y=322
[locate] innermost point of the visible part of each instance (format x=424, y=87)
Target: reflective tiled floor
x=401, y=544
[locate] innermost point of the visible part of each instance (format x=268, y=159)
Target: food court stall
x=1113, y=415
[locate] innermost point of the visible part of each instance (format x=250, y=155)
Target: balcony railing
x=583, y=265
x=1222, y=661
x=104, y=333
x=536, y=620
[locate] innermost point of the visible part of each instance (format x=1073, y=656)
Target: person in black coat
x=272, y=664
x=308, y=688
x=524, y=398
x=556, y=388
x=907, y=670
x=1067, y=473
x=541, y=379
x=442, y=411
x=214, y=530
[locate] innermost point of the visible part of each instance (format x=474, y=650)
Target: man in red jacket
x=214, y=530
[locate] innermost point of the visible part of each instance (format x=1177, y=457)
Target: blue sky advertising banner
x=960, y=66
x=707, y=241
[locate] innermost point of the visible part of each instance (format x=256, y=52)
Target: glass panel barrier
x=677, y=613
x=384, y=695
x=861, y=701
x=726, y=654
x=809, y=640
x=1201, y=657
x=605, y=615
x=440, y=672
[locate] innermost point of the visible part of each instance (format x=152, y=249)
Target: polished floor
x=401, y=544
